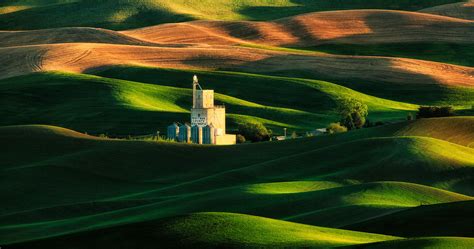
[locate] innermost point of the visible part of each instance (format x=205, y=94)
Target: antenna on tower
x=196, y=81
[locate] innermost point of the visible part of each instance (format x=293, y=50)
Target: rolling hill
x=333, y=27
x=434, y=220
x=135, y=191
x=86, y=85
x=122, y=14
x=85, y=57
x=212, y=230
x=464, y=10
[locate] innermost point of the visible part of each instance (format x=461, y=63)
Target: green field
x=80, y=168
x=113, y=190
x=125, y=14
x=110, y=105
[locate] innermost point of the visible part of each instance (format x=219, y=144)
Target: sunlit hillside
x=88, y=89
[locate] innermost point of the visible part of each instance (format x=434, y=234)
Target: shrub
x=255, y=132
x=434, y=111
x=240, y=139
x=335, y=128
x=353, y=113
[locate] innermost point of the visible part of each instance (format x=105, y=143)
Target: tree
x=255, y=132
x=353, y=113
x=434, y=111
x=335, y=128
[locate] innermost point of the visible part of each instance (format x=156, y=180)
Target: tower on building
x=207, y=120
x=205, y=114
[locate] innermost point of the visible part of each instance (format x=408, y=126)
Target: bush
x=353, y=113
x=335, y=128
x=240, y=139
x=434, y=111
x=255, y=132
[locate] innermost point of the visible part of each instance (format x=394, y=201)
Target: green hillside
x=80, y=167
x=435, y=220
x=104, y=105
x=119, y=182
x=212, y=230
x=429, y=243
x=124, y=14
x=238, y=83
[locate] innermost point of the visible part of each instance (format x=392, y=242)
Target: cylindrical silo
x=184, y=133
x=172, y=131
x=208, y=134
x=196, y=134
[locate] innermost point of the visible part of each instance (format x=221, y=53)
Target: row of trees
x=434, y=111
x=353, y=115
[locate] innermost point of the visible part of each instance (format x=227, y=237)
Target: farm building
x=207, y=121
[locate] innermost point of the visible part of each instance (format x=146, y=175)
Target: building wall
x=204, y=99
x=214, y=116
x=226, y=139
x=210, y=119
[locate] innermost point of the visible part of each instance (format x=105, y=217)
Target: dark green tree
x=353, y=113
x=434, y=111
x=255, y=132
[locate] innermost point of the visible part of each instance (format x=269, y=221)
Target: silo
x=196, y=134
x=184, y=133
x=208, y=134
x=172, y=131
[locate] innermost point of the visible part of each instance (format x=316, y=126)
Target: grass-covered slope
x=427, y=243
x=96, y=183
x=213, y=230
x=122, y=14
x=458, y=130
x=447, y=219
x=99, y=105
x=238, y=83
x=270, y=61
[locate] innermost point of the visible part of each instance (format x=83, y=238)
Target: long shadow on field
x=103, y=14
x=374, y=76
x=304, y=6
x=260, y=90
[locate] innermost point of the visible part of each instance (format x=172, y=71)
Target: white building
x=207, y=120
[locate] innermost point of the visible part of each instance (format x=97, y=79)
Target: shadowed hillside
x=464, y=10
x=134, y=181
x=213, y=230
x=82, y=57
x=122, y=14
x=347, y=27
x=86, y=86
x=115, y=104
x=424, y=220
